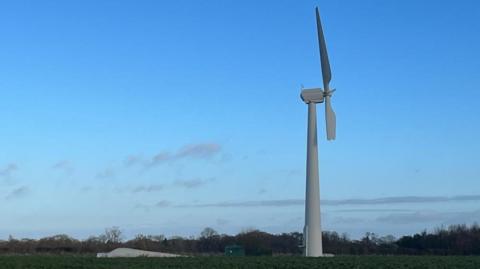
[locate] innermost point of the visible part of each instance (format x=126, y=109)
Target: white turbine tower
x=312, y=233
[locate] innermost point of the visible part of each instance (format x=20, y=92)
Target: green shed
x=234, y=250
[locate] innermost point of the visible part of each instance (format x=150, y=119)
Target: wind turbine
x=312, y=232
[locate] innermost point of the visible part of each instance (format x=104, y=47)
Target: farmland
x=358, y=262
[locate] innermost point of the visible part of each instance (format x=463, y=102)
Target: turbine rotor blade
x=326, y=73
x=330, y=119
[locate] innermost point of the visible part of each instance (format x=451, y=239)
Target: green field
x=357, y=262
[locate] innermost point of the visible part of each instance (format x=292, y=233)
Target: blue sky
x=167, y=117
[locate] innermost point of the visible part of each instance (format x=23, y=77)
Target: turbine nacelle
x=315, y=95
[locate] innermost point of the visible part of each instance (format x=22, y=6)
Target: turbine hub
x=328, y=93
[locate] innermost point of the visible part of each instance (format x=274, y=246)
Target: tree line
x=452, y=240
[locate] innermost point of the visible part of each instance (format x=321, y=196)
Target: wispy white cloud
x=426, y=216
x=64, y=165
x=17, y=193
x=163, y=203
x=191, y=151
x=106, y=174
x=192, y=183
x=161, y=158
x=403, y=200
x=159, y=204
x=8, y=170
x=148, y=188
x=371, y=210
x=265, y=203
x=133, y=160
x=200, y=151
x=353, y=202
x=186, y=184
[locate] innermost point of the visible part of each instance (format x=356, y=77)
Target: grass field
x=357, y=262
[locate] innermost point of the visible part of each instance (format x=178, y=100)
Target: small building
x=234, y=251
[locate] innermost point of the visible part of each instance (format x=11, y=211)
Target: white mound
x=130, y=253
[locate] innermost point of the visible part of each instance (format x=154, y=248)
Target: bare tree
x=208, y=233
x=113, y=235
